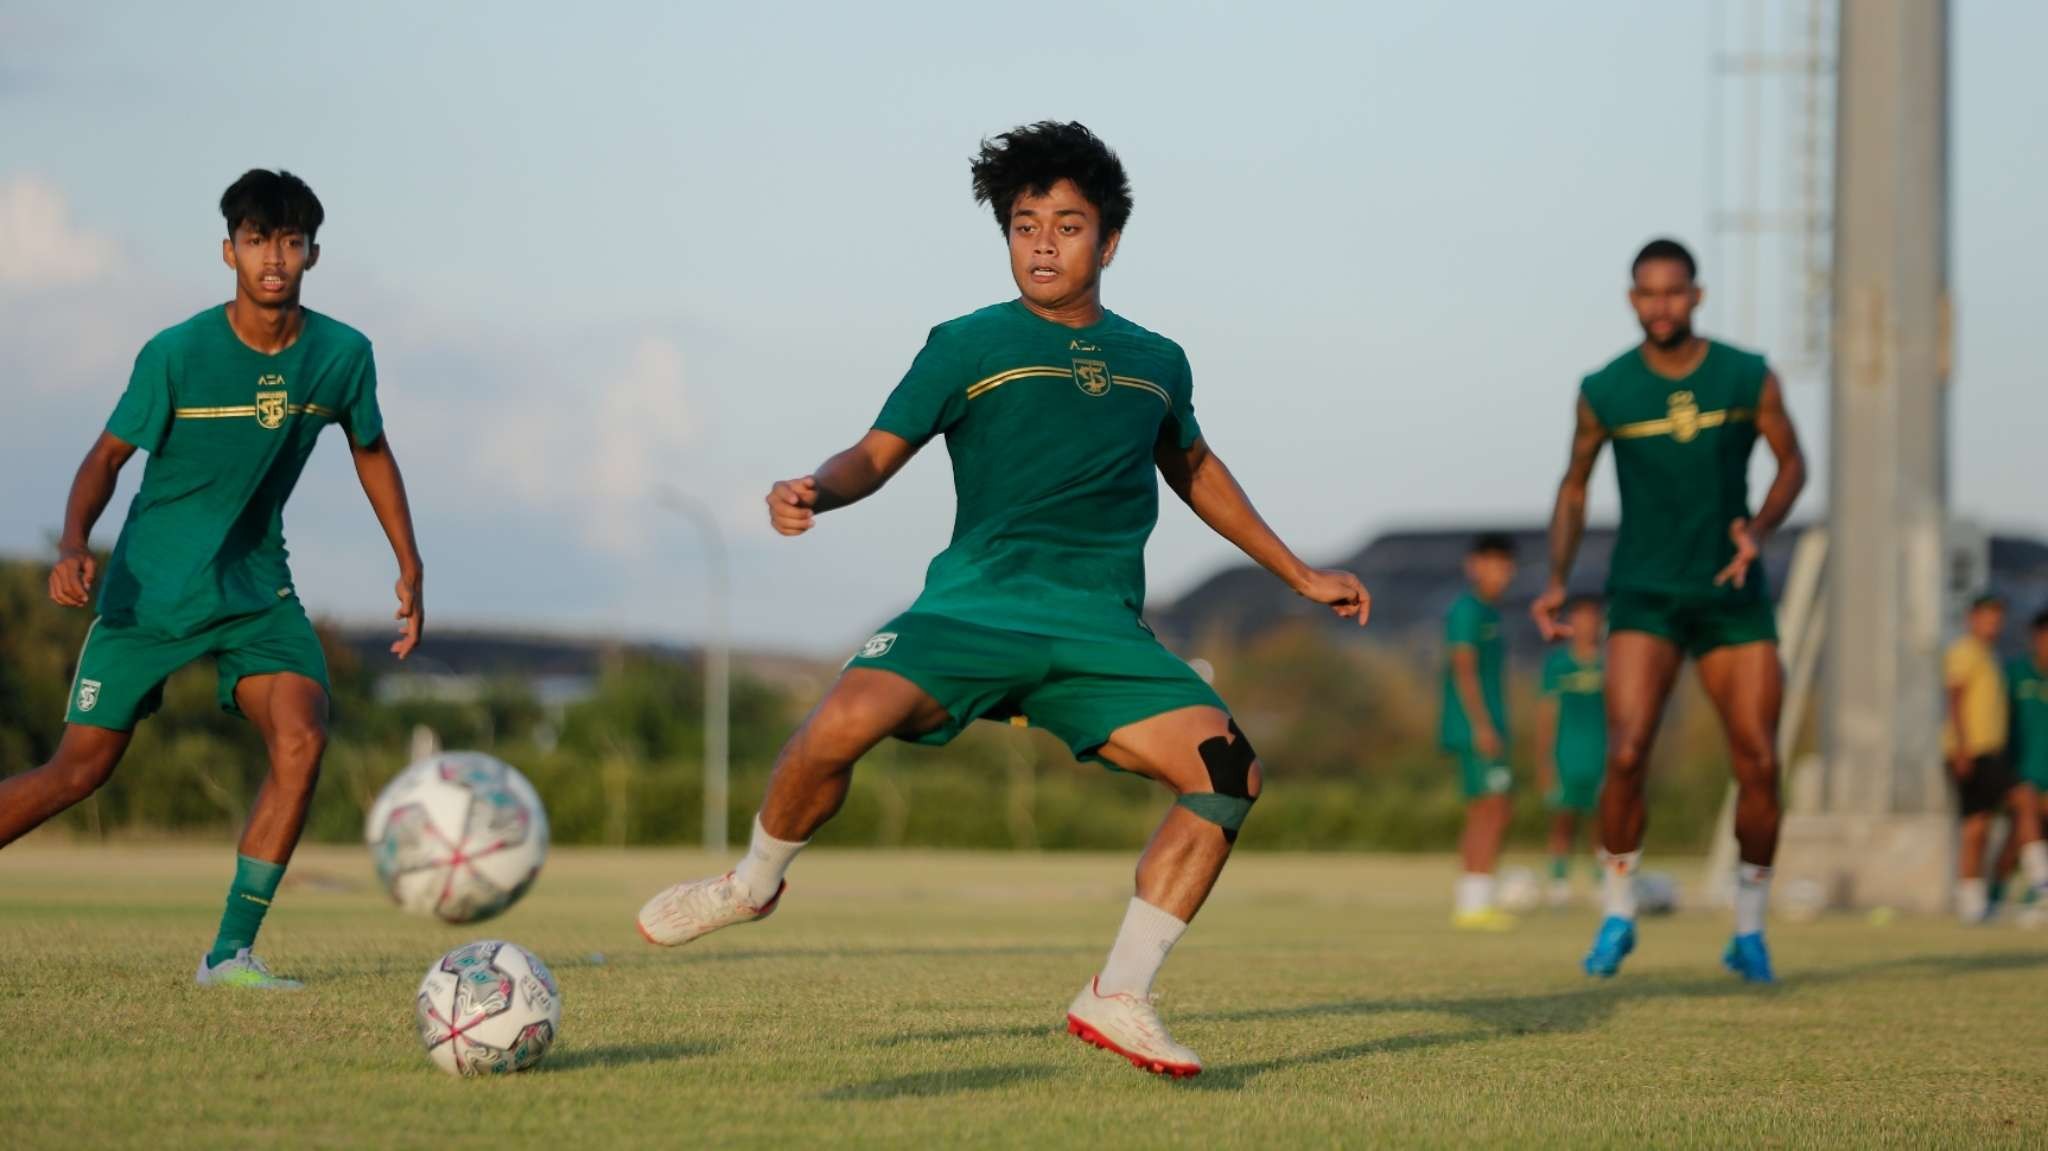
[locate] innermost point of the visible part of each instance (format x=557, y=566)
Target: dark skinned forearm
x=1209, y=489
x=384, y=485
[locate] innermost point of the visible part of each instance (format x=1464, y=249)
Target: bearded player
x=1683, y=413
x=1056, y=413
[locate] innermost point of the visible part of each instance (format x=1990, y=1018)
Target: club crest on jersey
x=270, y=401
x=1684, y=413
x=1091, y=376
x=878, y=645
x=88, y=694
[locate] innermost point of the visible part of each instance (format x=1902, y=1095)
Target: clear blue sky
x=633, y=245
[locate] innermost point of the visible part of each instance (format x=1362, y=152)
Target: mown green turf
x=917, y=1000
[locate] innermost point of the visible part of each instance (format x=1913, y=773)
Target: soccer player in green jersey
x=1683, y=413
x=1473, y=727
x=229, y=405
x=1059, y=416
x=1574, y=736
x=2027, y=750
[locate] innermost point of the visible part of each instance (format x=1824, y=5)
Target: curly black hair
x=271, y=201
x=1031, y=159
x=1666, y=248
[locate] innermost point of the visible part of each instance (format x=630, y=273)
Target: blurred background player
x=1974, y=741
x=1573, y=736
x=1474, y=726
x=1060, y=418
x=1684, y=414
x=2027, y=680
x=229, y=405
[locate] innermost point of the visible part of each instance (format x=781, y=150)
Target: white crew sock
x=2034, y=863
x=1752, y=891
x=1475, y=892
x=760, y=870
x=1973, y=899
x=1618, y=882
x=1141, y=946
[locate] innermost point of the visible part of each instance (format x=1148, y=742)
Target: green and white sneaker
x=244, y=970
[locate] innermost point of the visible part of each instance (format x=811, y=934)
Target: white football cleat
x=688, y=910
x=1130, y=1026
x=242, y=970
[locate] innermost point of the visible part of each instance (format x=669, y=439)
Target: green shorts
x=1080, y=690
x=2034, y=769
x=1577, y=788
x=121, y=671
x=1480, y=776
x=1697, y=625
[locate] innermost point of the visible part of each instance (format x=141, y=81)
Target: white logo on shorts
x=88, y=693
x=878, y=645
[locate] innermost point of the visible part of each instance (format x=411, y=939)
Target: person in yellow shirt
x=1974, y=742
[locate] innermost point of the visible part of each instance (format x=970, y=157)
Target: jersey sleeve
x=142, y=417
x=1180, y=418
x=932, y=396
x=364, y=419
x=1589, y=391
x=1958, y=665
x=1461, y=626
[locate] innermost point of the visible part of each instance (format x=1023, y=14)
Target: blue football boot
x=1616, y=939
x=1748, y=957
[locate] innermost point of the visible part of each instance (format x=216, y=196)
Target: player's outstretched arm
x=72, y=578
x=1199, y=477
x=847, y=478
x=1774, y=424
x=1568, y=520
x=377, y=468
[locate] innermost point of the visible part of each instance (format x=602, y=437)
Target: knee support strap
x=1229, y=760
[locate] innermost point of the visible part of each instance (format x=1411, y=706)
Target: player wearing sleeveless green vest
x=1059, y=418
x=1683, y=414
x=229, y=406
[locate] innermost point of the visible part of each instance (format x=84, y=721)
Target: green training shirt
x=1580, y=691
x=1476, y=625
x=1051, y=431
x=227, y=429
x=2029, y=744
x=1681, y=457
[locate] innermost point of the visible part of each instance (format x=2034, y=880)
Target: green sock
x=1560, y=867
x=248, y=899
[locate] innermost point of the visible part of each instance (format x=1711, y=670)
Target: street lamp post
x=717, y=663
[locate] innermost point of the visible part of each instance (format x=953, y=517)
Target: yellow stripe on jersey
x=312, y=410
x=214, y=413
x=1644, y=429
x=1145, y=385
x=990, y=384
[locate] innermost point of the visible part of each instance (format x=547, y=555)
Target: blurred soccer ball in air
x=459, y=835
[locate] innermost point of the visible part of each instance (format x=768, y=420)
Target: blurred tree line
x=1347, y=733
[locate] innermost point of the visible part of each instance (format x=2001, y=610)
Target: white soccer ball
x=1519, y=890
x=1656, y=893
x=488, y=1008
x=460, y=836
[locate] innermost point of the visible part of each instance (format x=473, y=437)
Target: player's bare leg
x=812, y=774
x=290, y=712
x=1746, y=684
x=1197, y=754
x=2024, y=848
x=1641, y=669
x=85, y=759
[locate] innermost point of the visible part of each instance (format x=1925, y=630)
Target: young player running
x=1683, y=413
x=229, y=405
x=1975, y=741
x=1574, y=736
x=1056, y=414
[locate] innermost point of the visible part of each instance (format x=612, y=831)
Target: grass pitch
x=918, y=999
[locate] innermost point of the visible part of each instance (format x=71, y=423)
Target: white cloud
x=39, y=245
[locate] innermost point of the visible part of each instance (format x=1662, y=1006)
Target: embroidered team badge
x=88, y=694
x=1091, y=376
x=878, y=645
x=271, y=401
x=1684, y=413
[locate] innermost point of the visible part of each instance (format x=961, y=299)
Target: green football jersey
x=227, y=429
x=1051, y=431
x=1580, y=691
x=2029, y=744
x=1474, y=624
x=1681, y=458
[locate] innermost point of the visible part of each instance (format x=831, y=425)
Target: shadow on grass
x=1493, y=1017
x=946, y=1081
x=625, y=1055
